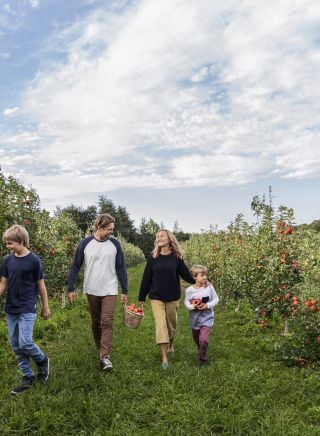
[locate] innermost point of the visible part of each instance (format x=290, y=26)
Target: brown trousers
x=102, y=315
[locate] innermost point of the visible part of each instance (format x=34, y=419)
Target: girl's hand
x=203, y=306
x=141, y=304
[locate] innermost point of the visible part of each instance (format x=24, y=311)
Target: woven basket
x=130, y=319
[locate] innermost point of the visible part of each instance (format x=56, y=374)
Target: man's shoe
x=26, y=384
x=43, y=370
x=106, y=364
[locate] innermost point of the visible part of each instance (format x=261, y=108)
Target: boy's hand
x=45, y=312
x=72, y=296
x=203, y=306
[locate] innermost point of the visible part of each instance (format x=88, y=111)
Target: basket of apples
x=132, y=316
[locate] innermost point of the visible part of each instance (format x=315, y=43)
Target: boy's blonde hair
x=17, y=234
x=103, y=220
x=196, y=269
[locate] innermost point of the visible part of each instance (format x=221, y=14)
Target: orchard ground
x=243, y=390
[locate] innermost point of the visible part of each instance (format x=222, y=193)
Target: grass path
x=243, y=391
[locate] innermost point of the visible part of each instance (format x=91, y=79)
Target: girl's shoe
x=165, y=365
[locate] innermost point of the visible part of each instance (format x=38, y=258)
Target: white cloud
x=10, y=111
x=34, y=3
x=177, y=93
x=6, y=8
x=4, y=55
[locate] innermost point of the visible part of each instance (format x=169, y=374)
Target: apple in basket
x=138, y=311
x=196, y=301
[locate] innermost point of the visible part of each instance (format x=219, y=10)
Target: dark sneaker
x=106, y=364
x=43, y=370
x=26, y=384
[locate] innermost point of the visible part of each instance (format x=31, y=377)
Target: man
x=104, y=265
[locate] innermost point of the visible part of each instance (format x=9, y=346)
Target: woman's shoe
x=171, y=354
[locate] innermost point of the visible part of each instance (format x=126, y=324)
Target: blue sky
x=178, y=110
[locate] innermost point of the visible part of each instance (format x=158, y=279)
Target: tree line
x=142, y=236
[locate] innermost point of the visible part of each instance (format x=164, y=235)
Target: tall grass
x=242, y=391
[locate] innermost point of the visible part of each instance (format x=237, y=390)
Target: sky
x=179, y=110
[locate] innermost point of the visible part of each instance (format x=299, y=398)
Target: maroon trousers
x=102, y=315
x=201, y=338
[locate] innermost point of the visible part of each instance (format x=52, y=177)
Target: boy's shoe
x=106, y=364
x=26, y=384
x=43, y=370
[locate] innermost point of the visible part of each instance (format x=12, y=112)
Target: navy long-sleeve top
x=161, y=278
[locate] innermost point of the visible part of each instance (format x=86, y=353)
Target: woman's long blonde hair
x=174, y=245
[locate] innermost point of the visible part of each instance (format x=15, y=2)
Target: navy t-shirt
x=22, y=274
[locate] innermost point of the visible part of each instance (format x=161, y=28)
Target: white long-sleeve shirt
x=199, y=318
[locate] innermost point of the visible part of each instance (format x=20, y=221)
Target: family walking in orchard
x=103, y=260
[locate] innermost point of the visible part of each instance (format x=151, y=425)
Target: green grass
x=242, y=391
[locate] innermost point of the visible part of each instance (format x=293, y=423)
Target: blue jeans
x=20, y=329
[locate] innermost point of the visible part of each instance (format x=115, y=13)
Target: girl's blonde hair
x=17, y=234
x=102, y=221
x=174, y=245
x=196, y=269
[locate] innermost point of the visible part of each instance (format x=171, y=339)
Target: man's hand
x=72, y=296
x=124, y=298
x=45, y=312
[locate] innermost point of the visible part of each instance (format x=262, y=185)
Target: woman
x=161, y=281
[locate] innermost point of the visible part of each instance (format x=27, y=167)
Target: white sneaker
x=106, y=364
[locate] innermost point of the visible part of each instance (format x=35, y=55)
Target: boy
x=200, y=301
x=22, y=278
